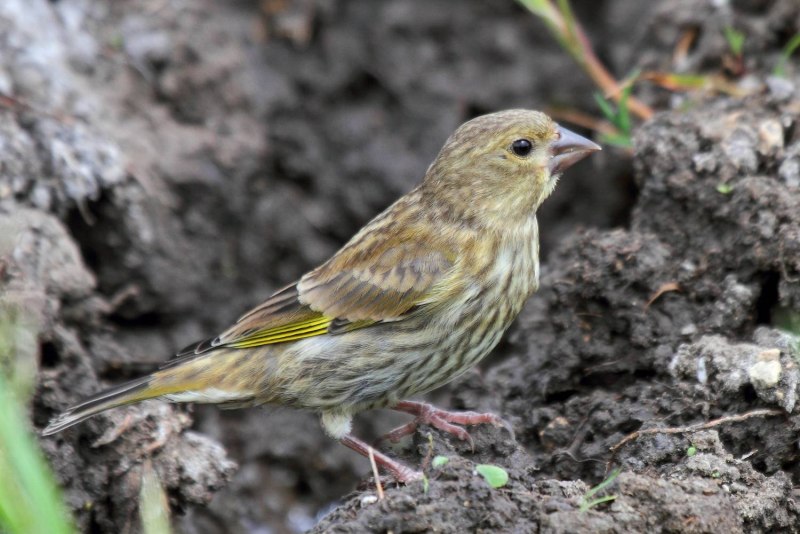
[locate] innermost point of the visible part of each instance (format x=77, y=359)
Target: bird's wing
x=376, y=281
x=365, y=283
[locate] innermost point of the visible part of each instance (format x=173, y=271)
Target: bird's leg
x=399, y=471
x=443, y=420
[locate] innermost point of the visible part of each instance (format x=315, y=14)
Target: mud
x=166, y=164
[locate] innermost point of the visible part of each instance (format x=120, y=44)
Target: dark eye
x=521, y=147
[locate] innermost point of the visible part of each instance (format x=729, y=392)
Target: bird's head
x=500, y=167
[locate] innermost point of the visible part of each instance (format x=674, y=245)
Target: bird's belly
x=383, y=364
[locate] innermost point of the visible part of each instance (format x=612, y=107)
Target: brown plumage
x=413, y=300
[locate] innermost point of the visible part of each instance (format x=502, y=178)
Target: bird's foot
x=401, y=472
x=443, y=420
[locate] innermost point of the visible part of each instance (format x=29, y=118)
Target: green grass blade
x=588, y=501
x=788, y=50
x=605, y=108
x=29, y=497
x=623, y=115
x=735, y=40
x=153, y=505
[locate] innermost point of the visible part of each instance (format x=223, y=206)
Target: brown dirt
x=166, y=164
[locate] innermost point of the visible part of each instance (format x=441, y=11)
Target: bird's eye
x=522, y=147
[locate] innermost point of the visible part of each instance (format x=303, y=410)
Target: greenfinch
x=415, y=299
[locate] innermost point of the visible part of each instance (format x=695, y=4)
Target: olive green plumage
x=417, y=297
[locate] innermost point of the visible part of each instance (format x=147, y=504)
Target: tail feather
x=127, y=393
x=194, y=380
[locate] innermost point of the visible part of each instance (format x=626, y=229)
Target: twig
x=685, y=42
x=429, y=454
x=665, y=288
x=378, y=485
x=766, y=412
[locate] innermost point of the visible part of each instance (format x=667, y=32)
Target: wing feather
x=381, y=288
x=371, y=280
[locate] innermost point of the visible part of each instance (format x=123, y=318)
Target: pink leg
x=442, y=419
x=399, y=471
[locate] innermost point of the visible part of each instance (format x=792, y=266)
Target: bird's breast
x=473, y=324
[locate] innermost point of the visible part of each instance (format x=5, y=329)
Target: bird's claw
x=443, y=420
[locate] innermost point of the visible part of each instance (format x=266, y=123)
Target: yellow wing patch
x=315, y=326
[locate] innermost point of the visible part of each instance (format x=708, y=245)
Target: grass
x=30, y=500
x=153, y=505
x=786, y=54
x=589, y=501
x=735, y=40
x=619, y=116
x=559, y=18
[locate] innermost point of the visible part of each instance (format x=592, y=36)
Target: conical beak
x=569, y=149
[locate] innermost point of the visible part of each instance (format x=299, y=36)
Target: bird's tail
x=127, y=393
x=219, y=379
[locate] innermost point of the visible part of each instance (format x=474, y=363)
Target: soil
x=168, y=163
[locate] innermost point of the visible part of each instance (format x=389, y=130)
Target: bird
x=415, y=299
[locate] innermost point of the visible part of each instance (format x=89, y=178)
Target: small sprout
x=439, y=461
x=691, y=451
x=725, y=189
x=618, y=116
x=715, y=474
x=426, y=485
x=588, y=501
x=735, y=40
x=788, y=50
x=495, y=476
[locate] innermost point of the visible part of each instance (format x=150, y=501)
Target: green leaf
x=691, y=451
x=619, y=117
x=684, y=81
x=725, y=189
x=605, y=107
x=788, y=50
x=623, y=114
x=495, y=476
x=439, y=461
x=426, y=485
x=735, y=40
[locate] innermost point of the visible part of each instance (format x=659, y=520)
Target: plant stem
x=568, y=31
